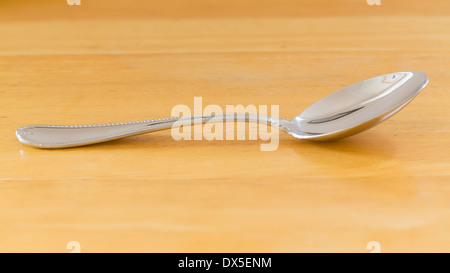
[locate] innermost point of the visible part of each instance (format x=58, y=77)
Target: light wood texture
x=110, y=61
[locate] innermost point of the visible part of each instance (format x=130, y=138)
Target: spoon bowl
x=346, y=112
x=357, y=107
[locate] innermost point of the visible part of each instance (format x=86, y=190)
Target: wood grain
x=110, y=61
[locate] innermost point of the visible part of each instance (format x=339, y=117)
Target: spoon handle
x=63, y=136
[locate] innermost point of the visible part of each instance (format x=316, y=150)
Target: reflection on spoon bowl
x=357, y=107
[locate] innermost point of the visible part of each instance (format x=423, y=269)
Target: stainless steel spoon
x=348, y=111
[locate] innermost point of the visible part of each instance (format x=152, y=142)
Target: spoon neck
x=224, y=117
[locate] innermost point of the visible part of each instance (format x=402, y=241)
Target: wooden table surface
x=111, y=61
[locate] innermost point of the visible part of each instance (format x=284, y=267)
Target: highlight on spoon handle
x=63, y=136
